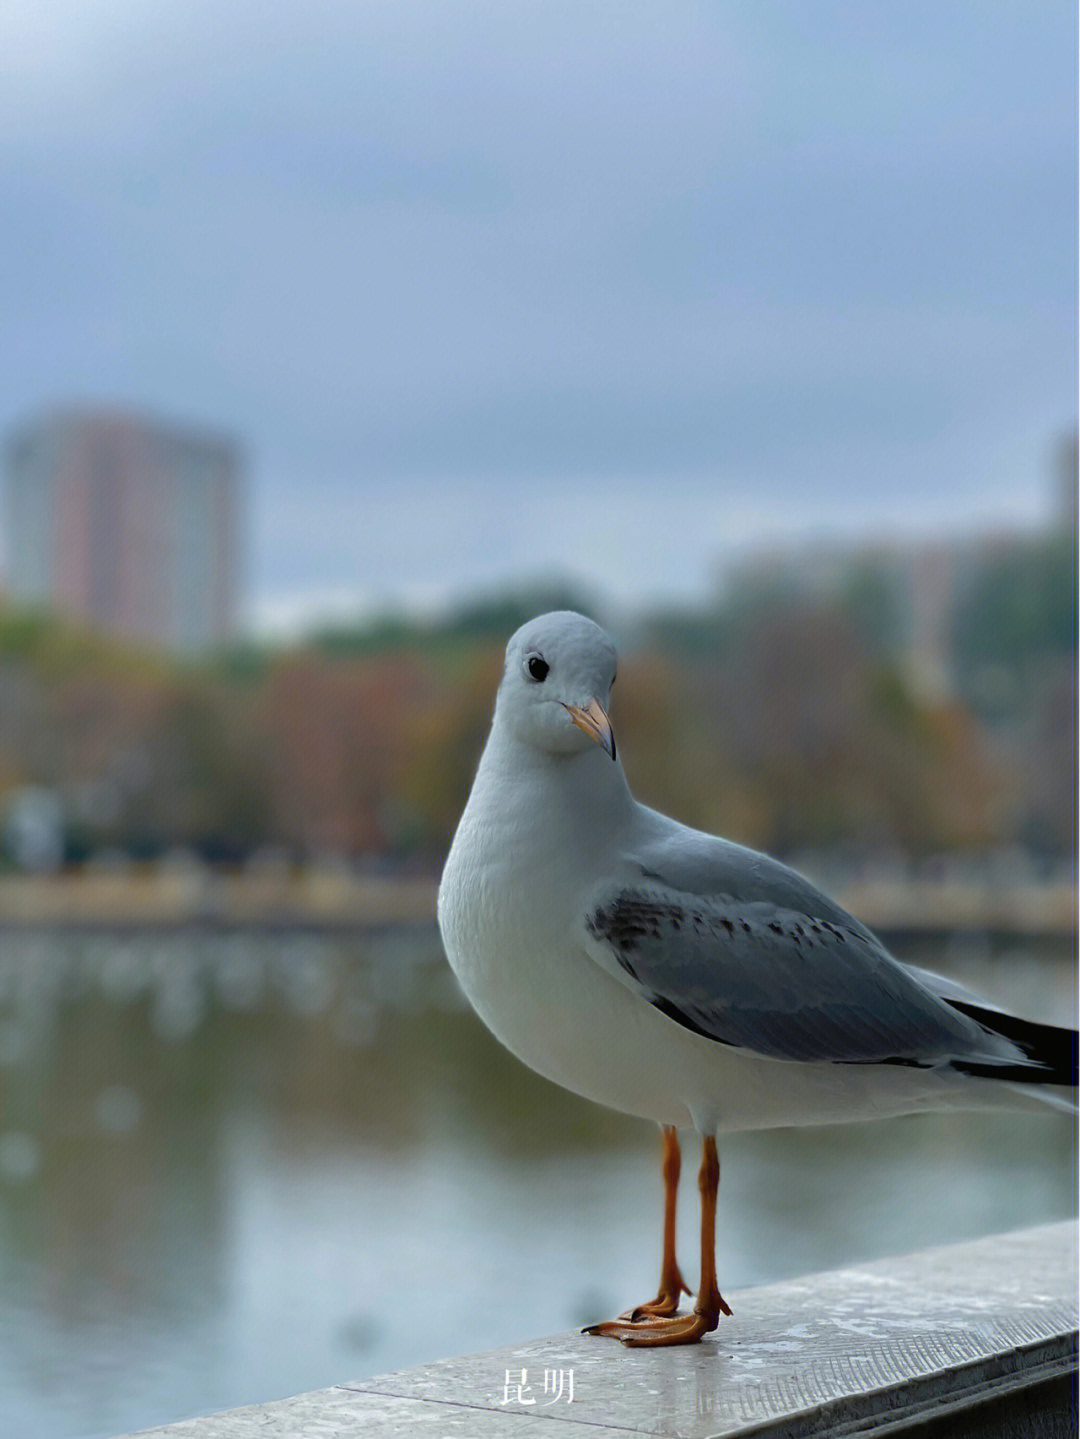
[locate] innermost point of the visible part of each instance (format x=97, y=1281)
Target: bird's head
x=554, y=691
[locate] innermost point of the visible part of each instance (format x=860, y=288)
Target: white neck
x=587, y=774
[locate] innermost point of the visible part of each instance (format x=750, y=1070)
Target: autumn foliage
x=794, y=732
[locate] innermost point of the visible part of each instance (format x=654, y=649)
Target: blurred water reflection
x=236, y=1165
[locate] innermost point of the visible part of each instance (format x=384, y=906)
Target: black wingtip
x=1053, y=1053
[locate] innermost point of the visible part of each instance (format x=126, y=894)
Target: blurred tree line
x=781, y=718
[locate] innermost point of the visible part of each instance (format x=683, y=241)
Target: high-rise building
x=127, y=523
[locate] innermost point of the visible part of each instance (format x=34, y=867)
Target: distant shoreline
x=328, y=899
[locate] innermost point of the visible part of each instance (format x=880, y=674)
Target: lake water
x=235, y=1166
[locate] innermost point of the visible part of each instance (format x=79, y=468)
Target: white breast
x=512, y=902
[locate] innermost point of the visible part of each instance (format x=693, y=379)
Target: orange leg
x=656, y=1328
x=672, y=1284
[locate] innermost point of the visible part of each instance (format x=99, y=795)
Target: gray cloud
x=815, y=261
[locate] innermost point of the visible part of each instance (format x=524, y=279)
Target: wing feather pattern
x=790, y=976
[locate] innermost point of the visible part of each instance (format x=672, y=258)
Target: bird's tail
x=1049, y=1053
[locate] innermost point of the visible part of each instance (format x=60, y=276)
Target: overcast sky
x=494, y=290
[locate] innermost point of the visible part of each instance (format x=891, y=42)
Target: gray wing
x=749, y=954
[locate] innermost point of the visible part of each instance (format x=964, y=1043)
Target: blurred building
x=922, y=580
x=919, y=579
x=127, y=523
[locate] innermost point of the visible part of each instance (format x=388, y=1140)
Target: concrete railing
x=972, y=1339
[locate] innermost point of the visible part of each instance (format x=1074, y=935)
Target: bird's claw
x=653, y=1332
x=677, y=1329
x=622, y=1328
x=663, y=1306
x=646, y=1328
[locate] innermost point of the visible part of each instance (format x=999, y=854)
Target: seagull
x=670, y=974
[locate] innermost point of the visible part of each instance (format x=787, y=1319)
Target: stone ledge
x=964, y=1340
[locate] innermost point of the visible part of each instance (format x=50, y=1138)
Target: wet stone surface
x=902, y=1338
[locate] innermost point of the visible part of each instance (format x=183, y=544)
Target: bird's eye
x=538, y=668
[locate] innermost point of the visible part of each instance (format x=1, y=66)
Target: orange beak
x=592, y=718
